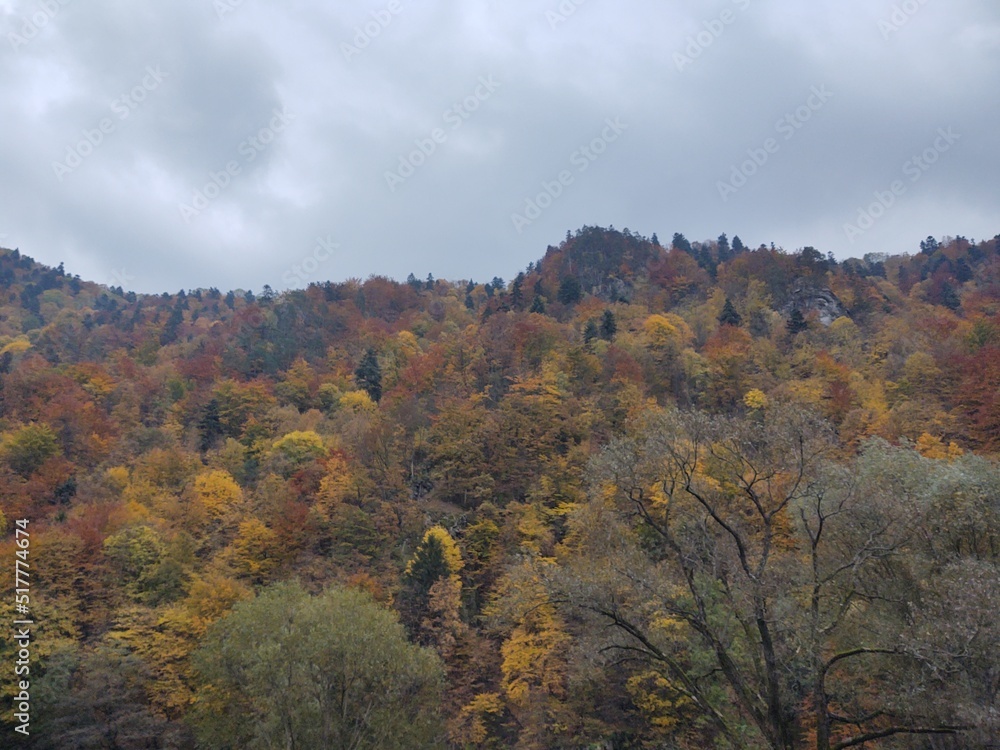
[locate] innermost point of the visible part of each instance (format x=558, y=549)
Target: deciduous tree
x=291, y=670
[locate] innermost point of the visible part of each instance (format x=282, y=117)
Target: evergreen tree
x=706, y=261
x=680, y=242
x=609, y=326
x=368, y=376
x=590, y=332
x=963, y=271
x=169, y=334
x=796, y=323
x=729, y=315
x=725, y=252
x=738, y=246
x=950, y=298
x=210, y=426
x=436, y=557
x=429, y=564
x=517, y=293
x=569, y=290
x=537, y=305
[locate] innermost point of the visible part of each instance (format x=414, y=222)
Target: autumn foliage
x=636, y=497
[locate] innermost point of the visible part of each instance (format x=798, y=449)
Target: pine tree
x=729, y=316
x=517, y=293
x=680, y=242
x=796, y=323
x=725, y=252
x=950, y=298
x=963, y=271
x=209, y=426
x=537, y=305
x=609, y=326
x=590, y=332
x=368, y=376
x=569, y=290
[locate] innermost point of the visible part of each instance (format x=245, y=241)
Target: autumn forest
x=647, y=494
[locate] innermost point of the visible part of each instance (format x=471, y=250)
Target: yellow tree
x=166, y=638
x=534, y=659
x=255, y=552
x=217, y=495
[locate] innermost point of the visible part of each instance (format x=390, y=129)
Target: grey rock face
x=822, y=301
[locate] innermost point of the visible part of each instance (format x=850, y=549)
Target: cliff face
x=822, y=301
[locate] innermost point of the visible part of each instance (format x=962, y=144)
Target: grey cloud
x=561, y=76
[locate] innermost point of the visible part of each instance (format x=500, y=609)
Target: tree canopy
x=335, y=670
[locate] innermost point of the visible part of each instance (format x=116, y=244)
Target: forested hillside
x=639, y=496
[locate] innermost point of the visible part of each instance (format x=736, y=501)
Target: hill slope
x=176, y=453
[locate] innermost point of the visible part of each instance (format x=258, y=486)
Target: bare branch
x=891, y=731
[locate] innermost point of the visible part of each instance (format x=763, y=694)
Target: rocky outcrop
x=821, y=301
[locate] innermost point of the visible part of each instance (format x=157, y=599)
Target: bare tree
x=788, y=579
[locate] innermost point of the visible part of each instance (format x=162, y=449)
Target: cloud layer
x=224, y=142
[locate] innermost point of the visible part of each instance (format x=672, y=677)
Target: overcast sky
x=234, y=143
